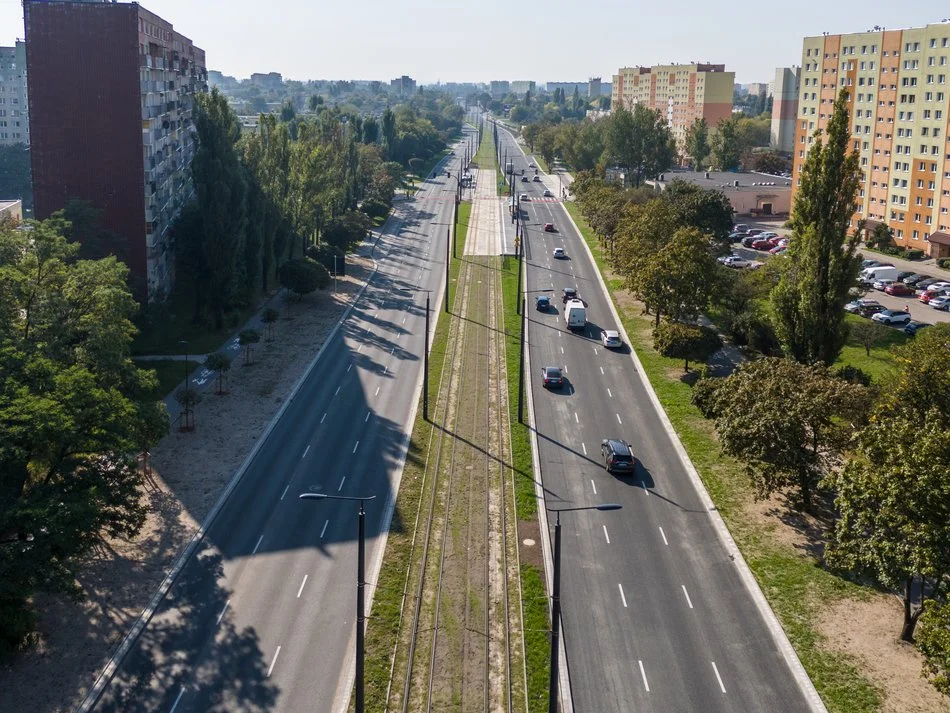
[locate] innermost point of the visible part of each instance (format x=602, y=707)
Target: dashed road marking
x=718, y=677
x=340, y=486
x=259, y=541
x=324, y=530
x=624, y=598
x=221, y=616
x=270, y=669
x=607, y=536
x=284, y=494
x=663, y=535
x=643, y=673
x=686, y=594
x=304, y=582
x=306, y=451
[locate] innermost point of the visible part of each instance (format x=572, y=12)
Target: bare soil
x=189, y=471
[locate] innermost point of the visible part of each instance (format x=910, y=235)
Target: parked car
x=927, y=295
x=551, y=376
x=942, y=302
x=902, y=274
x=865, y=264
x=747, y=241
x=882, y=284
x=618, y=456
x=924, y=284
x=755, y=231
x=914, y=279
x=542, y=303
x=559, y=254
x=911, y=328
x=892, y=316
x=899, y=289
x=740, y=228
x=768, y=235
x=549, y=228
x=779, y=250
x=569, y=293
x=548, y=194
x=610, y=338
x=761, y=244
x=737, y=235
x=774, y=240
x=536, y=179
x=784, y=242
x=734, y=261
x=938, y=286
x=856, y=306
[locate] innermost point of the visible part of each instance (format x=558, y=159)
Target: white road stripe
x=605, y=533
x=348, y=368
x=356, y=446
x=270, y=669
x=323, y=417
x=360, y=348
x=299, y=591
x=576, y=420
x=663, y=535
x=609, y=393
x=367, y=416
x=221, y=616
x=622, y=595
x=175, y=704
x=688, y=601
x=324, y=530
x=618, y=419
x=593, y=485
x=601, y=370
x=259, y=541
x=284, y=494
x=377, y=391
x=718, y=677
x=584, y=448
x=337, y=391
x=306, y=451
x=340, y=487
x=644, y=675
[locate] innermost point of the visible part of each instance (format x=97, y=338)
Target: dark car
x=748, y=241
x=524, y=179
x=911, y=328
x=870, y=310
x=899, y=289
x=904, y=273
x=542, y=303
x=618, y=456
x=551, y=376
x=761, y=244
x=569, y=293
x=915, y=278
x=924, y=284
x=737, y=235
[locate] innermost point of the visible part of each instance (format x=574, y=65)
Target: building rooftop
x=4, y=205
x=726, y=180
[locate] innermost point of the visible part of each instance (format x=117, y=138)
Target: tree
x=73, y=406
x=303, y=276
x=314, y=101
x=639, y=142
x=709, y=211
x=247, y=338
x=220, y=364
x=933, y=641
x=808, y=303
x=348, y=230
x=269, y=318
x=686, y=341
x=868, y=333
x=697, y=143
x=725, y=144
x=770, y=162
x=287, y=112
x=389, y=133
x=370, y=130
x=787, y=422
x=881, y=237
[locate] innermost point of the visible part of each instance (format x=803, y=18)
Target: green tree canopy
x=686, y=341
x=303, y=276
x=725, y=145
x=697, y=143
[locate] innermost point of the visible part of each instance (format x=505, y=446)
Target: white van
x=882, y=272
x=575, y=314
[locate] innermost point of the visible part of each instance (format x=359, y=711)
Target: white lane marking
x=340, y=486
x=595, y=351
x=605, y=534
x=360, y=349
x=356, y=446
x=559, y=335
x=367, y=416
x=576, y=420
x=618, y=419
x=324, y=530
x=601, y=370
x=593, y=485
x=300, y=591
x=323, y=417
x=270, y=668
x=718, y=677
x=584, y=448
x=221, y=615
x=386, y=370
x=348, y=368
x=375, y=315
x=284, y=494
x=403, y=320
x=337, y=391
x=562, y=350
x=644, y=675
x=306, y=451
x=175, y=704
x=392, y=351
x=259, y=541
x=688, y=600
x=377, y=391
x=663, y=535
x=609, y=393
x=622, y=595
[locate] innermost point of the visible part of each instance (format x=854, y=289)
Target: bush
x=756, y=331
x=303, y=276
x=914, y=254
x=853, y=375
x=374, y=208
x=688, y=342
x=325, y=254
x=704, y=395
x=944, y=262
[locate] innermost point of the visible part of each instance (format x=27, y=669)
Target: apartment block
x=403, y=85
x=111, y=90
x=499, y=88
x=680, y=92
x=522, y=87
x=14, y=109
x=899, y=115
x=786, y=88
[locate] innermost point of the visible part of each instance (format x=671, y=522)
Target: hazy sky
x=548, y=40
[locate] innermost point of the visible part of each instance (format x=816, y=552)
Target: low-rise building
x=751, y=194
x=499, y=88
x=11, y=211
x=270, y=80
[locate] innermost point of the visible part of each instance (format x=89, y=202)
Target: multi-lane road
x=262, y=617
x=656, y=614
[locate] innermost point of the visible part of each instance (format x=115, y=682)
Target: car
x=902, y=274
x=549, y=228
x=784, y=242
x=531, y=165
x=559, y=254
x=924, y=284
x=737, y=235
x=768, y=235
x=610, y=338
x=911, y=328
x=915, y=278
x=747, y=241
x=569, y=293
x=773, y=239
x=938, y=286
x=524, y=179
x=855, y=306
x=779, y=250
x=882, y=284
x=740, y=228
x=899, y=289
x=942, y=302
x=536, y=179
x=892, y=316
x=551, y=377
x=754, y=231
x=525, y=197
x=618, y=455
x=761, y=244
x=865, y=264
x=734, y=261
x=547, y=193
x=870, y=310
x=542, y=303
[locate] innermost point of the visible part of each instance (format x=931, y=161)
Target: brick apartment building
x=899, y=106
x=680, y=92
x=111, y=93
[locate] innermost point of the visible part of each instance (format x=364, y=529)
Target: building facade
x=120, y=137
x=899, y=107
x=568, y=88
x=680, y=92
x=593, y=88
x=14, y=105
x=403, y=85
x=785, y=108
x=499, y=88
x=267, y=80
x=520, y=88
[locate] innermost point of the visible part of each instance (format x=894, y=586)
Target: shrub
x=704, y=395
x=914, y=254
x=853, y=374
x=374, y=208
x=755, y=330
x=944, y=262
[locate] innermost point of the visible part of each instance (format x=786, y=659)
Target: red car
x=899, y=289
x=926, y=295
x=762, y=245
x=549, y=228
x=774, y=241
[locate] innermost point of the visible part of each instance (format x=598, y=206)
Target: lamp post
x=556, y=597
x=360, y=584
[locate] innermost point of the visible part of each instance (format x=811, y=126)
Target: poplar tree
x=823, y=263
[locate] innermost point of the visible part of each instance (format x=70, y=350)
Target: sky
x=550, y=40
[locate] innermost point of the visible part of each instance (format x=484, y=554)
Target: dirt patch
x=532, y=555
x=189, y=471
x=868, y=630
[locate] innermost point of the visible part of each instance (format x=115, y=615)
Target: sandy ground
x=188, y=473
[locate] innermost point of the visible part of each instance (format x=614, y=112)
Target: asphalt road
x=263, y=616
x=655, y=614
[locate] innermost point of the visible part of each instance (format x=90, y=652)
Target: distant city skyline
x=378, y=39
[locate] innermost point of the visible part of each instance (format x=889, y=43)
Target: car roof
x=552, y=369
x=569, y=290
x=611, y=332
x=617, y=444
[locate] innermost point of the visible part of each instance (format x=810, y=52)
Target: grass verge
x=880, y=361
x=794, y=583
x=170, y=373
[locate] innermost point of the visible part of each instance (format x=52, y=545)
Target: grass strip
x=797, y=588
x=170, y=373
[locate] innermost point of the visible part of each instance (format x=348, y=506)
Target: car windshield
x=552, y=371
x=622, y=457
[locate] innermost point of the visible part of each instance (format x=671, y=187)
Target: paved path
x=484, y=231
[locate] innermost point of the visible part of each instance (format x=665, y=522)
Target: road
x=262, y=617
x=656, y=616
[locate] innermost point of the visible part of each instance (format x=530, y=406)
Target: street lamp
x=556, y=596
x=360, y=584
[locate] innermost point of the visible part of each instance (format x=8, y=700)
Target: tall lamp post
x=360, y=584
x=556, y=597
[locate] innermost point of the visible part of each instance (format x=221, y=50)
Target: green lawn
x=881, y=360
x=797, y=587
x=170, y=373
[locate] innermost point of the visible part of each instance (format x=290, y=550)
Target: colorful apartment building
x=111, y=90
x=899, y=106
x=14, y=109
x=680, y=92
